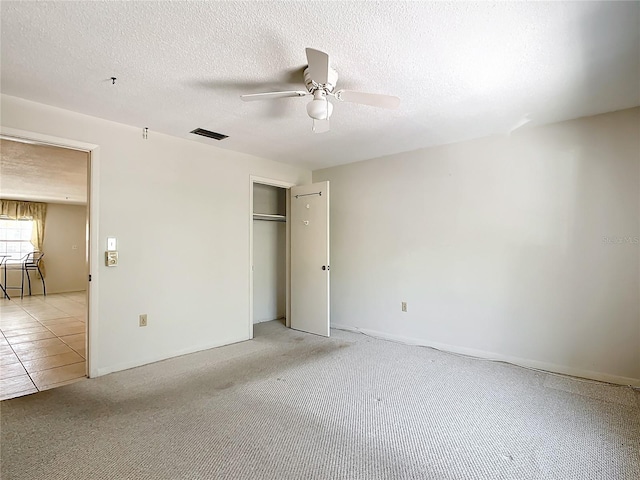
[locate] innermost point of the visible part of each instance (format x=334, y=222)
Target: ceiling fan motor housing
x=327, y=87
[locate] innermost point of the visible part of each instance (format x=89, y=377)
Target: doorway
x=269, y=252
x=46, y=337
x=306, y=253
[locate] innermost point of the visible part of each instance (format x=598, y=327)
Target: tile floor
x=42, y=342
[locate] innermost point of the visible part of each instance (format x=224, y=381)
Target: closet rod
x=270, y=218
x=308, y=194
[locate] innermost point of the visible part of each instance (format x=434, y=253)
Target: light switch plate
x=111, y=259
x=111, y=244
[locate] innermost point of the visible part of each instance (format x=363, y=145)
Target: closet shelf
x=269, y=217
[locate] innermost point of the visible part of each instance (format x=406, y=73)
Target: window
x=15, y=238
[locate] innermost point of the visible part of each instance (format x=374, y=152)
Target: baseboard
x=521, y=362
x=158, y=358
x=82, y=290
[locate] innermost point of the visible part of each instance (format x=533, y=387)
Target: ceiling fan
x=320, y=81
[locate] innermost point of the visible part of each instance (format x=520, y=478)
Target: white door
x=310, y=258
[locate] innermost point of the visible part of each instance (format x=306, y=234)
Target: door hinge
x=89, y=277
x=325, y=267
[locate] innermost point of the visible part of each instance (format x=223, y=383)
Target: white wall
x=269, y=270
x=269, y=255
x=66, y=267
x=269, y=199
x=179, y=210
x=522, y=248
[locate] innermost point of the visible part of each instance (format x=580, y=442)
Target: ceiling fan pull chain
x=326, y=99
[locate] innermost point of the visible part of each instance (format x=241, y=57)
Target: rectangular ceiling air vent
x=209, y=134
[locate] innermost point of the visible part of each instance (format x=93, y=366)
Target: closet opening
x=269, y=258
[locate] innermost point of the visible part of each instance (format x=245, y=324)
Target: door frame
x=92, y=248
x=287, y=186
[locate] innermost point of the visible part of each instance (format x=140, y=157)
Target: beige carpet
x=294, y=406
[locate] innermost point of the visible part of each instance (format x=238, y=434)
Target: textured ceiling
x=42, y=173
x=462, y=70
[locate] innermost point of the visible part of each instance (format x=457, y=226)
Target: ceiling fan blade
x=271, y=95
x=318, y=65
x=373, y=99
x=320, y=126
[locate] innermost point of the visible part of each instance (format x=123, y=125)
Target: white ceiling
x=462, y=70
x=42, y=173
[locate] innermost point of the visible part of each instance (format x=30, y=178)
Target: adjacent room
x=43, y=238
x=332, y=240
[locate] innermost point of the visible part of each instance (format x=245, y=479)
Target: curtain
x=37, y=212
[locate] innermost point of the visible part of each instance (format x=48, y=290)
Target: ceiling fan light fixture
x=320, y=108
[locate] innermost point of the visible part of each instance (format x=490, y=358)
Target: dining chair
x=31, y=262
x=3, y=282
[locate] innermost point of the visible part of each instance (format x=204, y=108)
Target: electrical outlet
x=404, y=306
x=143, y=320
